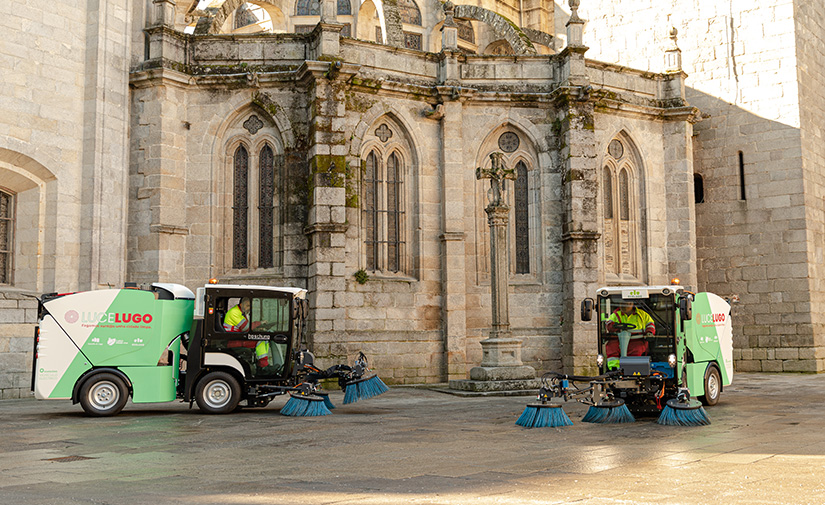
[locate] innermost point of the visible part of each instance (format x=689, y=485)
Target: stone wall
x=810, y=52
x=63, y=129
x=18, y=316
x=741, y=59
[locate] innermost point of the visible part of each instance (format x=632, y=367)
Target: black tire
x=103, y=394
x=218, y=393
x=713, y=386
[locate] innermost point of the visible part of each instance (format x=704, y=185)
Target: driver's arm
x=647, y=321
x=612, y=319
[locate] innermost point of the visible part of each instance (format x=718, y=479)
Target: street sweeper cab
x=657, y=347
x=660, y=338
x=164, y=342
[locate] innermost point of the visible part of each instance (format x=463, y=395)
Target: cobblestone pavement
x=766, y=445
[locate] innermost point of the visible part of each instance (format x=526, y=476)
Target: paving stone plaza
x=766, y=445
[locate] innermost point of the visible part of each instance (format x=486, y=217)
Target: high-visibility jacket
x=640, y=319
x=235, y=320
x=262, y=353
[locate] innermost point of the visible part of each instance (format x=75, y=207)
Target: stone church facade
x=334, y=146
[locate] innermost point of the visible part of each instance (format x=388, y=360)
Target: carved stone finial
x=574, y=7
x=673, y=55
x=449, y=12
x=673, y=34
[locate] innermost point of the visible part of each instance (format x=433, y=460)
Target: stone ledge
x=487, y=388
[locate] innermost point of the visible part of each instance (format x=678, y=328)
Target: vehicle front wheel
x=218, y=393
x=713, y=386
x=104, y=394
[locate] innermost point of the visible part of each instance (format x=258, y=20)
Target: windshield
x=637, y=327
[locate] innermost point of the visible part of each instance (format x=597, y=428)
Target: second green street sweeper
x=225, y=345
x=658, y=348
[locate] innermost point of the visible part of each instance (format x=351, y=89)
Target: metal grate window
x=522, y=220
x=383, y=210
x=6, y=238
x=240, y=208
x=244, y=16
x=624, y=196
x=409, y=12
x=607, y=187
x=308, y=8
x=265, y=207
x=394, y=213
x=371, y=206
x=465, y=31
x=344, y=8
x=412, y=40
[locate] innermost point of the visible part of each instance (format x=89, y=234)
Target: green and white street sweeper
x=657, y=347
x=163, y=343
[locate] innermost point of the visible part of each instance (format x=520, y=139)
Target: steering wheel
x=624, y=326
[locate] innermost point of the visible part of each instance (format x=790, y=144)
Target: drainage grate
x=68, y=459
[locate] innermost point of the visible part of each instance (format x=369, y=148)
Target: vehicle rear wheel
x=218, y=393
x=103, y=394
x=713, y=386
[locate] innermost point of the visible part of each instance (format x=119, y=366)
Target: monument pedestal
x=501, y=370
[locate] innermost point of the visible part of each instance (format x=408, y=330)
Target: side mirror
x=587, y=309
x=685, y=309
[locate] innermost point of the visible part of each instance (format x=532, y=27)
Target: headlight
x=671, y=360
x=599, y=360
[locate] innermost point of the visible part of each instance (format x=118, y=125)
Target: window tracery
x=620, y=214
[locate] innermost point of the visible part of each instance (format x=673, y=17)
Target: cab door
x=263, y=344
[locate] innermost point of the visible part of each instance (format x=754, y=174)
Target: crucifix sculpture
x=501, y=359
x=498, y=215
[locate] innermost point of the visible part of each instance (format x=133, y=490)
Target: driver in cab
x=237, y=320
x=641, y=325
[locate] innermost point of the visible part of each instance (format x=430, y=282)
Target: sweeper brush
x=682, y=411
x=362, y=386
x=300, y=405
x=362, y=389
x=609, y=413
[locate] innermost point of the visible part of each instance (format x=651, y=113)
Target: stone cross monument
x=501, y=359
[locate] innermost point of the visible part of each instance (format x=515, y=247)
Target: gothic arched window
x=240, y=227
x=620, y=217
x=344, y=8
x=6, y=238
x=266, y=209
x=383, y=210
x=465, y=31
x=522, y=220
x=409, y=12
x=313, y=8
x=372, y=205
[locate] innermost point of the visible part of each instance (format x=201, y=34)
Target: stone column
x=453, y=264
x=328, y=147
x=104, y=180
x=580, y=227
x=164, y=13
x=328, y=11
x=678, y=169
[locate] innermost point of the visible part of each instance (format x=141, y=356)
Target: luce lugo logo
x=106, y=317
x=716, y=318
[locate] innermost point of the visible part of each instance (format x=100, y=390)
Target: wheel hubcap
x=217, y=394
x=713, y=386
x=104, y=395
